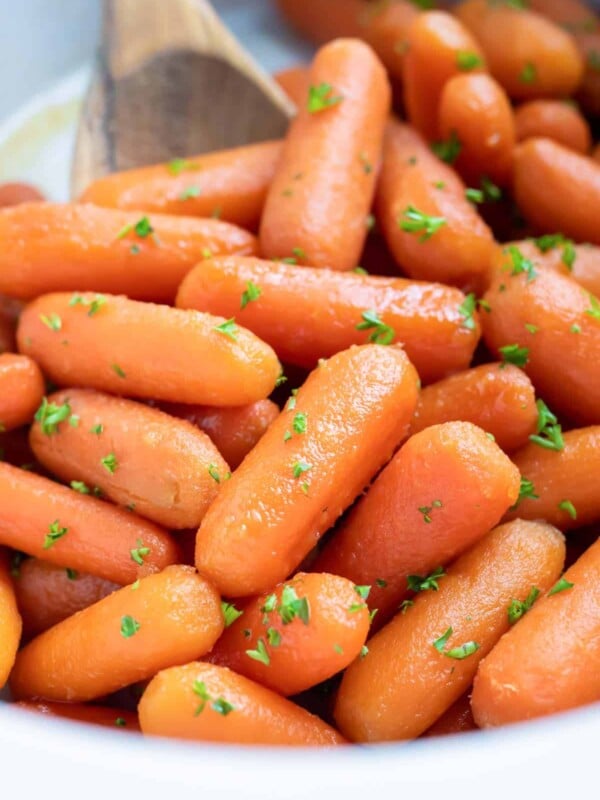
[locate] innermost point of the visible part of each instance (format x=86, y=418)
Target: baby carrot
x=501, y=400
x=562, y=483
x=306, y=630
x=122, y=346
x=50, y=247
x=457, y=719
x=228, y=184
x=78, y=712
x=433, y=231
x=318, y=455
x=306, y=313
x=550, y=326
x=550, y=661
x=475, y=110
x=234, y=431
x=557, y=189
x=422, y=662
x=553, y=251
x=526, y=53
x=167, y=468
x=570, y=14
x=21, y=390
x=294, y=82
x=445, y=488
x=129, y=636
x=554, y=119
x=67, y=528
x=13, y=194
x=209, y=703
x=588, y=95
x=332, y=151
x=46, y=594
x=10, y=621
x=438, y=44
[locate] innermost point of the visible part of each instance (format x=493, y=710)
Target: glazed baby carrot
x=13, y=194
x=209, y=703
x=529, y=55
x=10, y=620
x=78, y=712
x=445, y=488
x=557, y=189
x=550, y=326
x=73, y=530
x=230, y=185
x=306, y=630
x=562, y=473
x=573, y=15
x=501, y=400
x=550, y=661
x=423, y=661
x=554, y=251
x=294, y=82
x=50, y=247
x=136, y=455
x=332, y=152
x=433, y=231
x=129, y=636
x=439, y=47
x=46, y=594
x=306, y=313
x=475, y=110
x=234, y=431
x=554, y=119
x=588, y=95
x=457, y=719
x=333, y=436
x=21, y=390
x=144, y=350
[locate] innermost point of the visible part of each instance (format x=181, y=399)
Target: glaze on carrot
x=10, y=620
x=554, y=119
x=422, y=662
x=445, y=488
x=457, y=719
x=105, y=716
x=332, y=152
x=306, y=313
x=143, y=350
x=204, y=702
x=333, y=436
x=21, y=390
x=127, y=637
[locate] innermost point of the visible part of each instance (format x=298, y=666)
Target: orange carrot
x=167, y=468
x=46, y=594
x=230, y=185
x=50, y=247
x=499, y=400
x=306, y=630
x=554, y=119
x=13, y=194
x=457, y=719
x=529, y=55
x=295, y=82
x=332, y=152
x=127, y=637
x=209, y=703
x=342, y=426
x=422, y=662
x=564, y=481
x=588, y=94
x=550, y=661
x=431, y=228
x=557, y=189
x=21, y=390
x=306, y=313
x=550, y=326
x=144, y=350
x=438, y=44
x=572, y=15
x=234, y=431
x=94, y=715
x=62, y=526
x=477, y=112
x=445, y=489
x=10, y=621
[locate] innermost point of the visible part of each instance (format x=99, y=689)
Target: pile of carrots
x=298, y=439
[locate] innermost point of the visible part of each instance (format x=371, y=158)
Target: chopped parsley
x=139, y=552
x=517, y=608
x=52, y=321
x=251, y=293
x=129, y=626
x=548, y=432
x=321, y=97
x=228, y=328
x=110, y=463
x=560, y=586
x=426, y=510
x=466, y=60
x=521, y=264
x=230, y=613
x=513, y=354
x=526, y=491
x=417, y=583
x=380, y=332
x=568, y=507
x=415, y=221
x=49, y=415
x=260, y=653
x=293, y=607
x=189, y=193
x=466, y=309
x=118, y=370
x=179, y=165
x=448, y=150
x=55, y=532
x=458, y=653
x=93, y=305
x=529, y=73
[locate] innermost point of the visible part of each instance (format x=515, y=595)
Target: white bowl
x=45, y=50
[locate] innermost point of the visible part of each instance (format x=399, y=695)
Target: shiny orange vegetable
x=78, y=712
x=10, y=620
x=554, y=119
x=21, y=390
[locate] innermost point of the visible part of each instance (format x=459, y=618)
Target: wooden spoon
x=171, y=81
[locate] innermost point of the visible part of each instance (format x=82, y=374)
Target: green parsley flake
x=321, y=97
x=179, y=165
x=110, y=463
x=55, y=532
x=251, y=293
x=415, y=221
x=466, y=309
x=568, y=507
x=260, y=653
x=416, y=583
x=475, y=196
x=529, y=73
x=466, y=60
x=526, y=491
x=293, y=607
x=299, y=468
x=381, y=333
x=228, y=328
x=129, y=626
x=449, y=149
x=426, y=510
x=513, y=354
x=118, y=370
x=53, y=321
x=92, y=304
x=560, y=586
x=138, y=553
x=548, y=432
x=230, y=613
x=72, y=574
x=299, y=423
x=594, y=311
x=521, y=264
x=49, y=415
x=517, y=608
x=458, y=653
